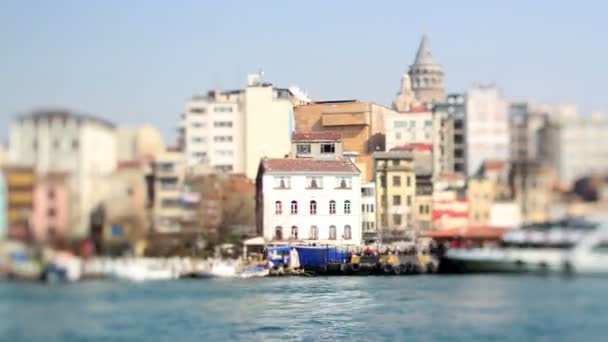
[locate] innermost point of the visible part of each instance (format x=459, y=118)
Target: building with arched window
x=334, y=202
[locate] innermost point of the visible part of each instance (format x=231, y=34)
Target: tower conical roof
x=424, y=54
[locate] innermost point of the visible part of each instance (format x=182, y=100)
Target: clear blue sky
x=138, y=61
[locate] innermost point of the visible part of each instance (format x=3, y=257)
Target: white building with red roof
x=301, y=200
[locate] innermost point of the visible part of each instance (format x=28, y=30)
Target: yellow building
x=20, y=190
x=361, y=125
x=395, y=178
x=480, y=193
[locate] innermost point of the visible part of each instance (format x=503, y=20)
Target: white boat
x=572, y=245
x=143, y=270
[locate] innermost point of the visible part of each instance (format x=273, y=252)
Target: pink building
x=51, y=206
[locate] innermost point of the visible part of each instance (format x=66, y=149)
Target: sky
x=137, y=62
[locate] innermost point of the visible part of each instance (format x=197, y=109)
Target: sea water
x=428, y=308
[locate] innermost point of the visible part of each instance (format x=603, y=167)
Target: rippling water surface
x=336, y=308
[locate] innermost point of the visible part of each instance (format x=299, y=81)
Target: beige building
x=395, y=177
x=139, y=143
x=229, y=130
x=533, y=185
x=3, y=155
x=125, y=200
x=480, y=193
x=361, y=125
x=169, y=173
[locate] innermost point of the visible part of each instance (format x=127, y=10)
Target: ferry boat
x=572, y=245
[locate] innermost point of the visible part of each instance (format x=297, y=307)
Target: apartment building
x=360, y=124
x=229, y=130
x=311, y=200
x=82, y=146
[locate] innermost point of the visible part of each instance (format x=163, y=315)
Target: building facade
x=82, y=146
x=361, y=125
x=455, y=108
x=169, y=174
x=368, y=212
x=524, y=125
x=20, y=183
x=316, y=145
x=395, y=194
x=423, y=128
x=309, y=200
x=228, y=130
x=487, y=126
x=51, y=211
x=573, y=149
x=533, y=183
x=3, y=206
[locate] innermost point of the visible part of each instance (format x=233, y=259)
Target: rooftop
x=338, y=165
x=316, y=136
x=64, y=114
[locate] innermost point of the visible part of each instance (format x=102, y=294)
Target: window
x=398, y=135
x=347, y=207
x=50, y=194
x=384, y=219
x=56, y=144
x=313, y=207
x=328, y=148
x=303, y=148
x=332, y=232
x=130, y=191
x=222, y=138
x=222, y=109
x=383, y=181
x=165, y=167
x=35, y=144
x=395, y=162
x=347, y=233
x=314, y=182
x=51, y=212
x=278, y=233
x=332, y=207
x=278, y=208
x=367, y=192
x=198, y=110
x=197, y=125
x=383, y=201
x=397, y=219
x=168, y=183
x=371, y=208
x=408, y=181
x=314, y=233
x=169, y=203
x=219, y=124
x=421, y=209
x=428, y=123
x=409, y=200
x=199, y=155
x=343, y=182
x=282, y=182
x=294, y=233
x=199, y=139
x=224, y=168
x=396, y=200
x=396, y=180
x=294, y=207
x=224, y=153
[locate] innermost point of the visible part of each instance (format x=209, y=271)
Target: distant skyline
x=138, y=62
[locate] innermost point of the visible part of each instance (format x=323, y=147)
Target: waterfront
x=480, y=307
